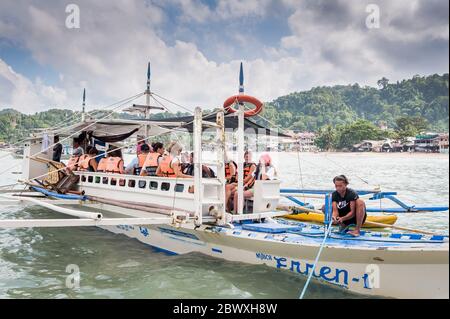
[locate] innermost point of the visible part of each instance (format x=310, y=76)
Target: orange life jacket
x=113, y=165
x=151, y=163
x=166, y=166
x=101, y=167
x=247, y=168
x=230, y=178
x=141, y=161
x=83, y=162
x=73, y=163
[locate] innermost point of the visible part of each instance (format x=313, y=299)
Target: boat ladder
x=209, y=192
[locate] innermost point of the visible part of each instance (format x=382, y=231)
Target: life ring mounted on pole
x=229, y=103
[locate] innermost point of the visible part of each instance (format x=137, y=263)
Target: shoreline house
x=430, y=142
x=443, y=143
x=368, y=146
x=390, y=146
x=300, y=141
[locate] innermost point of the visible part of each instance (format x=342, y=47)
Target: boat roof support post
x=198, y=187
x=240, y=172
x=220, y=121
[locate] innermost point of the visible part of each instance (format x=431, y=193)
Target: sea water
x=36, y=263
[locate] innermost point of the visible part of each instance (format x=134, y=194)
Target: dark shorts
x=353, y=220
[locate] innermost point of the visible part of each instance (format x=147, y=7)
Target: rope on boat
x=181, y=106
x=9, y=186
x=343, y=167
x=70, y=120
x=316, y=261
x=283, y=130
x=162, y=105
x=68, y=137
x=122, y=147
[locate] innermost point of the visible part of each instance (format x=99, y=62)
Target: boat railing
x=182, y=188
x=372, y=195
x=266, y=196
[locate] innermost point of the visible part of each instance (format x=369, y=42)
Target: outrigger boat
x=181, y=216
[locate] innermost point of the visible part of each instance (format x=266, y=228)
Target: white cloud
x=332, y=36
x=193, y=10
x=328, y=44
x=227, y=9
x=27, y=96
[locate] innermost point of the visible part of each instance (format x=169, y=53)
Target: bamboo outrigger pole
x=308, y=210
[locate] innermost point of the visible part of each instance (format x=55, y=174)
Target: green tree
x=326, y=138
x=357, y=132
x=407, y=126
x=383, y=83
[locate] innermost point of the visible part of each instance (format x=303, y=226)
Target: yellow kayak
x=318, y=218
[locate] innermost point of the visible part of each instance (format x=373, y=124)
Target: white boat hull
x=397, y=273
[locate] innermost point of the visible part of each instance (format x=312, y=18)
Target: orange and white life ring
x=232, y=100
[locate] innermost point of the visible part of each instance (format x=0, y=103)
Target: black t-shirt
x=343, y=203
x=57, y=151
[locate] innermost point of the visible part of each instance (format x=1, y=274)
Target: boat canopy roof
x=113, y=127
x=120, y=129
x=231, y=122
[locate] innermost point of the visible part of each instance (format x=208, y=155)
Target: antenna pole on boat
x=145, y=108
x=147, y=93
x=241, y=142
x=83, y=113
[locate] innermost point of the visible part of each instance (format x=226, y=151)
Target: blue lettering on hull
x=336, y=276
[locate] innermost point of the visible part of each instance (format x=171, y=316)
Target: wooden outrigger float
x=187, y=215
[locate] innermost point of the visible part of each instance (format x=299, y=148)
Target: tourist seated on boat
x=113, y=163
x=153, y=160
x=141, y=141
x=135, y=167
x=264, y=171
x=76, y=154
x=57, y=149
x=76, y=146
x=348, y=208
x=249, y=179
x=87, y=162
x=170, y=165
x=230, y=170
x=188, y=168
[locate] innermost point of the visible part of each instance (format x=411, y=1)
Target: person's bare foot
x=354, y=233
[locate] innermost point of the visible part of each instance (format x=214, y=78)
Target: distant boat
x=18, y=153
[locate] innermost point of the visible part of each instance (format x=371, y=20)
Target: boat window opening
x=122, y=182
x=97, y=179
x=113, y=182
x=83, y=178
x=105, y=180
x=131, y=183
x=179, y=188
x=142, y=184
x=154, y=185
x=90, y=179
x=165, y=186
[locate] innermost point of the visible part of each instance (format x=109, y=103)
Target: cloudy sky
x=195, y=47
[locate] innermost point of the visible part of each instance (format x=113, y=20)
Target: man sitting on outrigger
x=348, y=208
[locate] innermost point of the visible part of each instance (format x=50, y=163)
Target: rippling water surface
x=33, y=261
